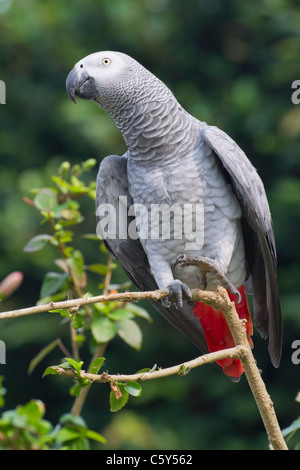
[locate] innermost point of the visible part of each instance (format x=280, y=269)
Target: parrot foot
x=177, y=291
x=208, y=265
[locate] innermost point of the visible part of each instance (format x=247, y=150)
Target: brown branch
x=66, y=304
x=218, y=300
x=233, y=353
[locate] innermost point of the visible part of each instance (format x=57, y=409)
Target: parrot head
x=112, y=80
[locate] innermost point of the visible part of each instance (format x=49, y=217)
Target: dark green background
x=229, y=63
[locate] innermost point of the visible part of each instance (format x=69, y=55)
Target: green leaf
x=141, y=371
x=139, y=311
x=63, y=236
x=130, y=332
x=64, y=168
x=37, y=243
x=98, y=268
x=88, y=164
x=90, y=236
x=67, y=418
x=71, y=214
x=292, y=428
x=183, y=370
x=120, y=314
x=34, y=410
x=50, y=371
x=133, y=388
x=76, y=264
x=52, y=283
x=65, y=365
x=62, y=185
x=95, y=436
x=46, y=199
x=67, y=434
x=103, y=329
x=96, y=365
x=77, y=321
x=75, y=364
x=117, y=404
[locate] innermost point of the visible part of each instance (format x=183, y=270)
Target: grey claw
x=177, y=290
x=239, y=296
x=179, y=259
x=166, y=302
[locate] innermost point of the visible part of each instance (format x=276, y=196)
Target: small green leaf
x=75, y=364
x=67, y=418
x=98, y=268
x=133, y=388
x=141, y=371
x=70, y=214
x=76, y=264
x=52, y=283
x=96, y=365
x=88, y=164
x=64, y=312
x=90, y=236
x=67, y=434
x=183, y=370
x=46, y=199
x=50, y=371
x=37, y=243
x=117, y=404
x=292, y=428
x=77, y=321
x=95, y=436
x=65, y=365
x=139, y=311
x=130, y=332
x=62, y=185
x=103, y=329
x=120, y=314
x=64, y=168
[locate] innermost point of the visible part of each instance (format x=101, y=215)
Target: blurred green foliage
x=230, y=64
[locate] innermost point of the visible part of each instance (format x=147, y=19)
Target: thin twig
x=233, y=353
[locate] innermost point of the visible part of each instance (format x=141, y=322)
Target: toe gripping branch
x=208, y=265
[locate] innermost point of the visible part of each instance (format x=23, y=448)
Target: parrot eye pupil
x=106, y=61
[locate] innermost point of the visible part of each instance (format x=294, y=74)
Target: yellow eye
x=106, y=61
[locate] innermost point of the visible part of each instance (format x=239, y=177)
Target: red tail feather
x=217, y=333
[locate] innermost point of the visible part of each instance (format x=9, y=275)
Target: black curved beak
x=80, y=84
x=72, y=84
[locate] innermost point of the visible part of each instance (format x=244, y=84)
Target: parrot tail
x=218, y=335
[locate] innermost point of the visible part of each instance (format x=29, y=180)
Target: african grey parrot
x=176, y=161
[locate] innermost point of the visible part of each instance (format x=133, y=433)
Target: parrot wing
x=258, y=236
x=112, y=183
